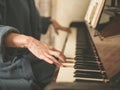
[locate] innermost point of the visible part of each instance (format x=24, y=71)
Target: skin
x=39, y=49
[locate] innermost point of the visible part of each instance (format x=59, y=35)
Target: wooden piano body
x=106, y=49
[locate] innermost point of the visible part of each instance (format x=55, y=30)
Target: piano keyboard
x=83, y=63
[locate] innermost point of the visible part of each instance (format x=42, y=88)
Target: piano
x=93, y=55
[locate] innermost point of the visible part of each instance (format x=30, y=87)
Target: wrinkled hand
x=57, y=27
x=45, y=52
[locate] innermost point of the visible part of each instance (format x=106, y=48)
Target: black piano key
x=86, y=67
x=84, y=61
x=89, y=65
x=84, y=58
x=86, y=55
x=84, y=50
x=82, y=47
x=86, y=64
x=86, y=74
x=82, y=44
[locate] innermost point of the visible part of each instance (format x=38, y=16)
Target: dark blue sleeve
x=45, y=24
x=4, y=30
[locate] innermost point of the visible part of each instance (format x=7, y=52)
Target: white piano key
x=70, y=61
x=69, y=50
x=67, y=75
x=68, y=64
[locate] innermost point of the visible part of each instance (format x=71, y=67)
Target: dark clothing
x=19, y=69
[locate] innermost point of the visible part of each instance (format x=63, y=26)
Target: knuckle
x=59, y=53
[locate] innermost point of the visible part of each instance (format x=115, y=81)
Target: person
x=25, y=62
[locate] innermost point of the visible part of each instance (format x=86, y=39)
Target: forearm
x=16, y=40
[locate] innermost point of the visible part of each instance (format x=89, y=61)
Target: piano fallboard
x=81, y=86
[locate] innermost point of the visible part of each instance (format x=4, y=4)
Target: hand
x=39, y=49
x=45, y=52
x=57, y=27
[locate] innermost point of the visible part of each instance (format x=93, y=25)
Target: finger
x=52, y=48
x=66, y=29
x=56, y=31
x=54, y=60
x=47, y=60
x=69, y=30
x=58, y=55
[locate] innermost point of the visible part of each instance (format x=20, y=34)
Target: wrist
x=28, y=41
x=17, y=40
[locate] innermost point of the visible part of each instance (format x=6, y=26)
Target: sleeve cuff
x=4, y=30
